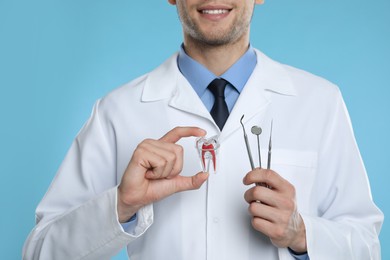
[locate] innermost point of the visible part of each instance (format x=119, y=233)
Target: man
x=128, y=179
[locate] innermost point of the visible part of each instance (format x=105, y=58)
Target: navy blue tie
x=220, y=111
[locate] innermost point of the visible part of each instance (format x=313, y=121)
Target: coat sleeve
x=77, y=218
x=345, y=223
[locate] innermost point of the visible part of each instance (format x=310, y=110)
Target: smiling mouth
x=215, y=11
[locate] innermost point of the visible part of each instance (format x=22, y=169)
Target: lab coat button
x=216, y=220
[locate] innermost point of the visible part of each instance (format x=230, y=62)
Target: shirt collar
x=200, y=77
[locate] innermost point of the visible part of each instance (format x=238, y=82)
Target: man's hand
x=153, y=172
x=274, y=209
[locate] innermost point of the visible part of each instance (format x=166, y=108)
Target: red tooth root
x=208, y=148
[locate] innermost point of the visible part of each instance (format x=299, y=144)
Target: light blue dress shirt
x=200, y=77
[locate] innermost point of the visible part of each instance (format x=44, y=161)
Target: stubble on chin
x=214, y=37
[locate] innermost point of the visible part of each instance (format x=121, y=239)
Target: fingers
x=167, y=161
x=280, y=196
x=161, y=160
x=270, y=198
x=190, y=183
x=263, y=194
x=179, y=132
x=264, y=212
x=268, y=212
x=267, y=227
x=280, y=199
x=260, y=175
x=162, y=188
x=269, y=177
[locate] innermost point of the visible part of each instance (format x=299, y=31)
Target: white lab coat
x=313, y=148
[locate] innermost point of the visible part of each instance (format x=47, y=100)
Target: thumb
x=191, y=183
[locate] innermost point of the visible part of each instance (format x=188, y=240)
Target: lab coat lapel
x=187, y=100
x=167, y=82
x=268, y=78
x=252, y=101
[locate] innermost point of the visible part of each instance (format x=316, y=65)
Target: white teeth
x=221, y=11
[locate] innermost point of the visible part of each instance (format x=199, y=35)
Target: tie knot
x=217, y=87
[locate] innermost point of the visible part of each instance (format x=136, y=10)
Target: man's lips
x=214, y=11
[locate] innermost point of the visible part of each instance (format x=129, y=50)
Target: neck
x=217, y=59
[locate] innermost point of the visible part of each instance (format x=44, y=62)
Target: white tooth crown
x=220, y=11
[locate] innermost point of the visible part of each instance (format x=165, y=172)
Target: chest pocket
x=299, y=168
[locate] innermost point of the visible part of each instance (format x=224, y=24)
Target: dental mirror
x=256, y=130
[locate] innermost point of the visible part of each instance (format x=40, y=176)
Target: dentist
x=132, y=177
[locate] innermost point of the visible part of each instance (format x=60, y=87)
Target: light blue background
x=58, y=57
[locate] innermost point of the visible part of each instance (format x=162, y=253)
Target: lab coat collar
x=274, y=75
x=167, y=82
x=161, y=83
x=268, y=77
